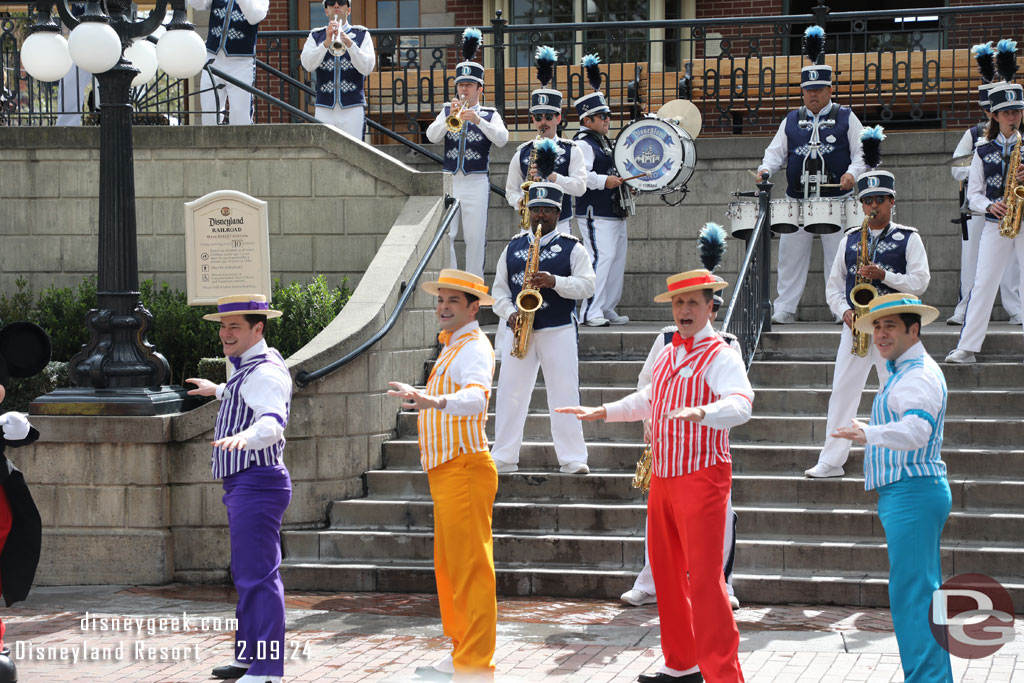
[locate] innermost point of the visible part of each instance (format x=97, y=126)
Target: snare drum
x=743, y=218
x=853, y=212
x=823, y=215
x=785, y=215
x=659, y=151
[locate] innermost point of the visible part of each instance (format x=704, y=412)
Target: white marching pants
x=239, y=68
x=605, y=240
x=1008, y=293
x=473, y=192
x=994, y=255
x=645, y=580
x=555, y=351
x=71, y=96
x=848, y=381
x=349, y=119
x=795, y=260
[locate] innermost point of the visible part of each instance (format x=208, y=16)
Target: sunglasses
x=603, y=116
x=537, y=118
x=872, y=201
x=545, y=209
x=329, y=3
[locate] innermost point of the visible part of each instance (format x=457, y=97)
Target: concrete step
x=818, y=374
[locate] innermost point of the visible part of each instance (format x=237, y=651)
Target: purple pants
x=256, y=499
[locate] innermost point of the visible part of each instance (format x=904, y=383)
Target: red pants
x=6, y=518
x=686, y=525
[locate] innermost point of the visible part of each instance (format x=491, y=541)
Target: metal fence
x=903, y=68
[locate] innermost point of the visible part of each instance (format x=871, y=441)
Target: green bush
x=21, y=392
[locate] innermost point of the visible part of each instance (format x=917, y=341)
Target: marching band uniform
x=975, y=224
x=553, y=342
x=598, y=219
x=71, y=91
x=690, y=483
x=467, y=157
x=902, y=461
x=339, y=79
x=254, y=403
x=234, y=26
x=985, y=187
x=899, y=250
x=841, y=151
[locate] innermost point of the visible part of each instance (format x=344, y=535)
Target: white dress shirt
x=917, y=390
x=727, y=378
x=914, y=281
x=494, y=130
x=778, y=150
x=578, y=286
x=976, y=197
x=360, y=54
x=255, y=11
x=647, y=371
x=964, y=147
x=471, y=366
x=574, y=184
x=266, y=392
x=595, y=181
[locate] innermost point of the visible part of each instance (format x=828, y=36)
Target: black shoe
x=8, y=672
x=229, y=671
x=695, y=677
x=429, y=673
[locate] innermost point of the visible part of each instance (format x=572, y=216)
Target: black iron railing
x=749, y=314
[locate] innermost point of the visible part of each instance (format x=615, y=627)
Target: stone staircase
x=799, y=540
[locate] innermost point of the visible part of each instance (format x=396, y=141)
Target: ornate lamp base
x=123, y=402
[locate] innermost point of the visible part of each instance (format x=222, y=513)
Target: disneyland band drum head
x=853, y=213
x=823, y=215
x=661, y=152
x=742, y=219
x=785, y=216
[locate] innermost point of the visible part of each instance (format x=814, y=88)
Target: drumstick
x=634, y=177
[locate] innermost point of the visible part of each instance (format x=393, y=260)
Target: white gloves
x=14, y=426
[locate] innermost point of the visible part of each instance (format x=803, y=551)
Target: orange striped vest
x=443, y=437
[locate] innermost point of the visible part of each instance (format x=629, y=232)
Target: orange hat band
x=442, y=281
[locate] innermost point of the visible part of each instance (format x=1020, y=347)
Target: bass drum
x=659, y=151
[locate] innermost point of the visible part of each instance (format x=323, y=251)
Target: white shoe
x=575, y=468
x=734, y=602
x=955, y=320
x=503, y=466
x=1014, y=320
x=961, y=356
x=637, y=597
x=823, y=469
x=616, y=319
x=597, y=322
x=783, y=318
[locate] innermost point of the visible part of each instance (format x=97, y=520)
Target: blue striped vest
x=835, y=148
x=993, y=163
x=337, y=80
x=469, y=150
x=554, y=258
x=884, y=466
x=230, y=31
x=235, y=416
x=597, y=203
x=889, y=252
x=561, y=168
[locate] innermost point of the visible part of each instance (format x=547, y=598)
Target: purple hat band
x=243, y=306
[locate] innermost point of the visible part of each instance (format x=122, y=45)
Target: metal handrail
x=302, y=379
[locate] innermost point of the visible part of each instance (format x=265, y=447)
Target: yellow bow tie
x=444, y=337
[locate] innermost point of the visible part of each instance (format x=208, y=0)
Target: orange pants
x=463, y=490
x=686, y=525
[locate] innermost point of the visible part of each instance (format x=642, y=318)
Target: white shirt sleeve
x=575, y=183
x=915, y=280
x=580, y=285
x=255, y=11
x=727, y=377
x=266, y=392
x=965, y=146
x=775, y=154
x=438, y=128
x=473, y=370
x=362, y=55
x=917, y=399
x=312, y=53
x=647, y=371
x=594, y=180
x=835, y=287
x=503, y=305
x=857, y=165
x=202, y=5
x=513, y=193
x=494, y=129
x=976, y=197
x=632, y=408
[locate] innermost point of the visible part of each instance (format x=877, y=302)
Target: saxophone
x=1013, y=196
x=863, y=292
x=524, y=210
x=527, y=302
x=642, y=477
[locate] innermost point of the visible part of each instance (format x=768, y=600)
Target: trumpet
x=453, y=122
x=337, y=47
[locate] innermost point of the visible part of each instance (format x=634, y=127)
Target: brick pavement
x=383, y=637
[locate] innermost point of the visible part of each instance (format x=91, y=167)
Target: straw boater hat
x=242, y=304
x=689, y=281
x=894, y=304
x=462, y=281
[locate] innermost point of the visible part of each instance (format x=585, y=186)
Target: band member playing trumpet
x=600, y=212
x=565, y=277
x=699, y=390
x=895, y=261
x=468, y=130
x=340, y=56
x=570, y=173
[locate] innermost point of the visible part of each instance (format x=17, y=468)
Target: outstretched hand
x=413, y=398
x=855, y=432
x=585, y=413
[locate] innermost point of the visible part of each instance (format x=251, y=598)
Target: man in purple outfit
x=248, y=450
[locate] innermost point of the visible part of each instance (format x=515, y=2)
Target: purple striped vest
x=235, y=416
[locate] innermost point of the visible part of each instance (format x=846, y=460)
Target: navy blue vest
x=597, y=203
x=835, y=148
x=229, y=31
x=555, y=311
x=992, y=164
x=890, y=253
x=337, y=80
x=469, y=150
x=561, y=168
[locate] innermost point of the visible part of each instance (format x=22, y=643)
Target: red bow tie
x=443, y=338
x=678, y=340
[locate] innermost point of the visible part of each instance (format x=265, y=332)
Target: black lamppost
x=117, y=372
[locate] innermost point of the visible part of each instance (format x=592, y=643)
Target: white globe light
x=181, y=53
x=45, y=56
x=142, y=54
x=95, y=46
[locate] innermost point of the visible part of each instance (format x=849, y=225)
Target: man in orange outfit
x=698, y=391
x=463, y=479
